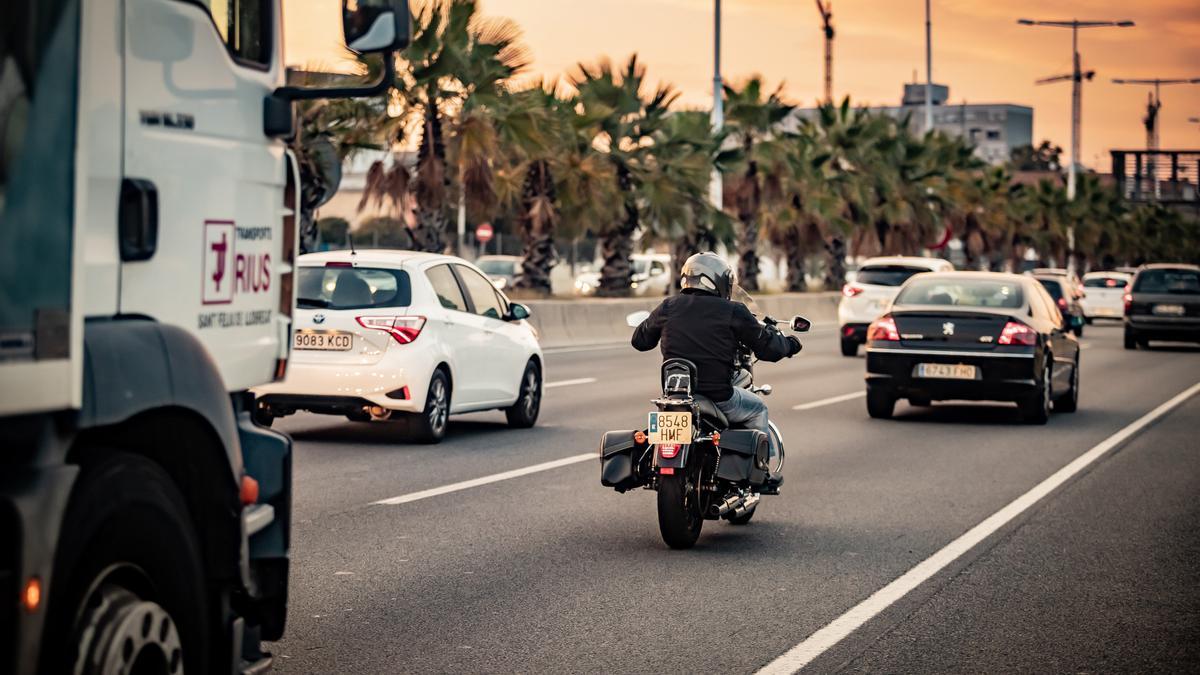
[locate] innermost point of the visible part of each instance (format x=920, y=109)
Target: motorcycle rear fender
x=677, y=462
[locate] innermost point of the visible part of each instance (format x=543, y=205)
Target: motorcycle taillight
x=668, y=450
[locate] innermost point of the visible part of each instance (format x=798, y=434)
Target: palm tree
x=757, y=155
x=614, y=108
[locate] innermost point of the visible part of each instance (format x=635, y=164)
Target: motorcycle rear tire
x=679, y=518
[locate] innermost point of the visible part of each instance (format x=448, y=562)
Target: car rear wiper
x=312, y=302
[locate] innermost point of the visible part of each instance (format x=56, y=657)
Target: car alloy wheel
x=438, y=406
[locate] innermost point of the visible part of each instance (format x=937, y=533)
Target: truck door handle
x=138, y=219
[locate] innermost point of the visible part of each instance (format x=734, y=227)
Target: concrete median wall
x=599, y=321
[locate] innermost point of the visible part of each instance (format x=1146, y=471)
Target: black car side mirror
x=800, y=324
x=517, y=312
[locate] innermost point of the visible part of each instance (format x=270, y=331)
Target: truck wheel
x=129, y=586
x=430, y=426
x=524, y=413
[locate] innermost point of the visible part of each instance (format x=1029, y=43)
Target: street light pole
x=1155, y=104
x=1077, y=76
x=928, y=71
x=716, y=186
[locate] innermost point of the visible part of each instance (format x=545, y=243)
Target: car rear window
x=1168, y=281
x=352, y=288
x=1053, y=287
x=962, y=293
x=886, y=275
x=1104, y=282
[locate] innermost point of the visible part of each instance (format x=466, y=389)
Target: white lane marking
x=830, y=401
x=567, y=383
x=819, y=642
x=1085, y=345
x=586, y=348
x=494, y=478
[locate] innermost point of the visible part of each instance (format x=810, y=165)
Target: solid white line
x=830, y=401
x=819, y=642
x=586, y=348
x=567, y=383
x=494, y=478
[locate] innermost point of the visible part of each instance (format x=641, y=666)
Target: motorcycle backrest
x=678, y=376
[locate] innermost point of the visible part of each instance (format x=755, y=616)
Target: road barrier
x=600, y=321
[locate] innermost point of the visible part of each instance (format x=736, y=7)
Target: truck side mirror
x=376, y=25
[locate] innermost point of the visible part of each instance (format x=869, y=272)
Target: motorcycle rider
x=703, y=325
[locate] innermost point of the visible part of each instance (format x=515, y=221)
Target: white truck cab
x=147, y=201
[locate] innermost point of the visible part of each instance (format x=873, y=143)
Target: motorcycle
x=700, y=467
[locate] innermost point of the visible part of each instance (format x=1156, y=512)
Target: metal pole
x=928, y=71
x=716, y=187
x=1076, y=111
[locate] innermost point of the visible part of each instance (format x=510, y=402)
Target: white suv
x=398, y=334
x=873, y=289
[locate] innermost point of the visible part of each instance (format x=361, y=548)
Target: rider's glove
x=796, y=346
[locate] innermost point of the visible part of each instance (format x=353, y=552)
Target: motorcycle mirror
x=800, y=324
x=634, y=320
x=765, y=389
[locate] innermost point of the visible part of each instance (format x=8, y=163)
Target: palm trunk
x=616, y=245
x=432, y=184
x=748, y=207
x=537, y=229
x=835, y=270
x=794, y=249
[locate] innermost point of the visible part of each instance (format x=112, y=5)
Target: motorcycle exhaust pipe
x=731, y=503
x=747, y=504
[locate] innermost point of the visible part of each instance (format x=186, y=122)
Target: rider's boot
x=771, y=486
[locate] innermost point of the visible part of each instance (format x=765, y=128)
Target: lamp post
x=928, y=71
x=1155, y=104
x=716, y=186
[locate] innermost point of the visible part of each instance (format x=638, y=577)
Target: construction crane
x=826, y=10
x=1154, y=103
x=1077, y=77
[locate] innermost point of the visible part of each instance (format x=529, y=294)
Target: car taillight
x=404, y=329
x=883, y=328
x=851, y=291
x=1128, y=299
x=1062, y=304
x=668, y=450
x=1017, y=333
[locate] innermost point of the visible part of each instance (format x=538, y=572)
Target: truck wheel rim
x=119, y=632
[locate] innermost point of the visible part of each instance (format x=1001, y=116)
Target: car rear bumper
x=328, y=388
x=1104, y=310
x=1001, y=376
x=1159, y=329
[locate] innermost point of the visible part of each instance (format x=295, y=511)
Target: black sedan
x=1163, y=303
x=973, y=336
x=1067, y=296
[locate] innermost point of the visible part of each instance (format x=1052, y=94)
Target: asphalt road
x=550, y=572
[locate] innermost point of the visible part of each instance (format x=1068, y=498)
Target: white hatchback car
x=875, y=285
x=397, y=334
x=1104, y=295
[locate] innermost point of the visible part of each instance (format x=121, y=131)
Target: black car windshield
x=1183, y=282
x=962, y=293
x=886, y=275
x=352, y=288
x=1053, y=287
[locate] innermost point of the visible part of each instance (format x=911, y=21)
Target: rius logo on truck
x=237, y=264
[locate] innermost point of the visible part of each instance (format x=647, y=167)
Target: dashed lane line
x=568, y=383
x=485, y=480
x=830, y=401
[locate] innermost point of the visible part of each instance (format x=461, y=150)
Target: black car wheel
x=849, y=347
x=881, y=403
x=1078, y=329
x=1069, y=402
x=1035, y=409
x=430, y=425
x=524, y=413
x=1130, y=340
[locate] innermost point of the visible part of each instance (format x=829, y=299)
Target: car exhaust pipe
x=378, y=413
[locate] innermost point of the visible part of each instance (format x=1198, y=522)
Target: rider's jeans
x=747, y=410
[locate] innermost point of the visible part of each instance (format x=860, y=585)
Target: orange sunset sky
x=978, y=50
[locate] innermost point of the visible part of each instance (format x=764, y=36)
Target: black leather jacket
x=707, y=330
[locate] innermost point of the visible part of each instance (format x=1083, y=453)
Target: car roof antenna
x=350, y=238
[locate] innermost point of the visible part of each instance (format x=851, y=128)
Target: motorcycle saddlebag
x=744, y=455
x=618, y=453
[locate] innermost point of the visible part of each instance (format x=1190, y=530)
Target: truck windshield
x=352, y=288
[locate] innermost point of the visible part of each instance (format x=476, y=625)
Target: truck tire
x=129, y=589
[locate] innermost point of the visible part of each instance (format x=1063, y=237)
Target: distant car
x=1104, y=295
x=875, y=284
x=1066, y=297
x=1070, y=276
x=974, y=336
x=651, y=276
x=501, y=269
x=1163, y=303
x=396, y=334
